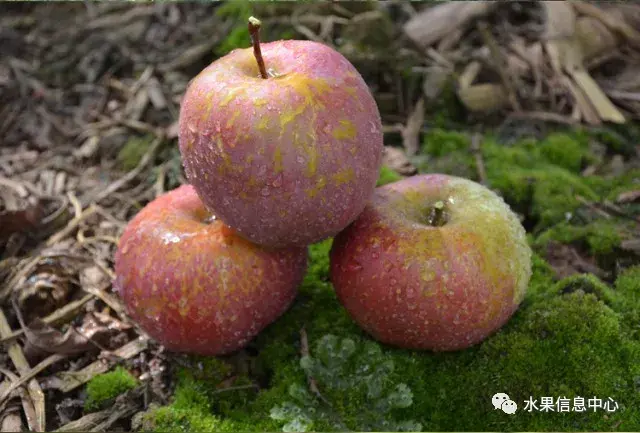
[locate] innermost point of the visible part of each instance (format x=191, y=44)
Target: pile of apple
x=282, y=146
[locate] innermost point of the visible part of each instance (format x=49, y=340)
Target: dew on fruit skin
x=393, y=281
x=300, y=159
x=170, y=238
x=264, y=191
x=375, y=255
x=262, y=170
x=277, y=181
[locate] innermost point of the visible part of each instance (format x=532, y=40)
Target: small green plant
x=104, y=388
x=349, y=373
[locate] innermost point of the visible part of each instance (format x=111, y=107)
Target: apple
x=196, y=286
x=433, y=262
x=289, y=159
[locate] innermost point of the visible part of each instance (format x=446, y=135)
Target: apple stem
x=437, y=216
x=254, y=32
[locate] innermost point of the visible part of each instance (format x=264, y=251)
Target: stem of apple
x=437, y=216
x=254, y=32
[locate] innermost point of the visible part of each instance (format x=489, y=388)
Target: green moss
x=577, y=337
x=133, y=151
x=563, y=150
x=102, y=389
x=533, y=184
x=628, y=285
x=439, y=142
x=600, y=237
x=542, y=278
x=586, y=283
x=387, y=175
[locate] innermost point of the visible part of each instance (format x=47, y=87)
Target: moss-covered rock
x=102, y=389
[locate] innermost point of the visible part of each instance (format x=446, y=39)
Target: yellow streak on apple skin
x=346, y=130
x=320, y=184
x=343, y=176
x=277, y=160
x=308, y=88
x=232, y=120
x=231, y=94
x=352, y=91
x=259, y=102
x=263, y=124
x=207, y=110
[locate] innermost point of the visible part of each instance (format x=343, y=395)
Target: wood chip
x=86, y=423
x=397, y=160
x=433, y=23
x=20, y=362
x=628, y=197
x=72, y=380
x=411, y=131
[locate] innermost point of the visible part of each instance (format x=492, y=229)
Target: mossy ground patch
x=577, y=337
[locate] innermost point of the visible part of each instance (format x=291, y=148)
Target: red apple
x=433, y=262
x=286, y=160
x=196, y=286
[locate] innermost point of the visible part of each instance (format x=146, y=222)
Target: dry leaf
x=95, y=331
x=20, y=221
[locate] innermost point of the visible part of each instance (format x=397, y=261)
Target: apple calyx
x=254, y=32
x=437, y=215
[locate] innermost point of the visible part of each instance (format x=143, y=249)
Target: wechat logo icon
x=503, y=402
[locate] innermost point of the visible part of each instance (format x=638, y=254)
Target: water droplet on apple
x=264, y=192
x=375, y=255
x=170, y=238
x=262, y=170
x=218, y=127
x=300, y=159
x=393, y=281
